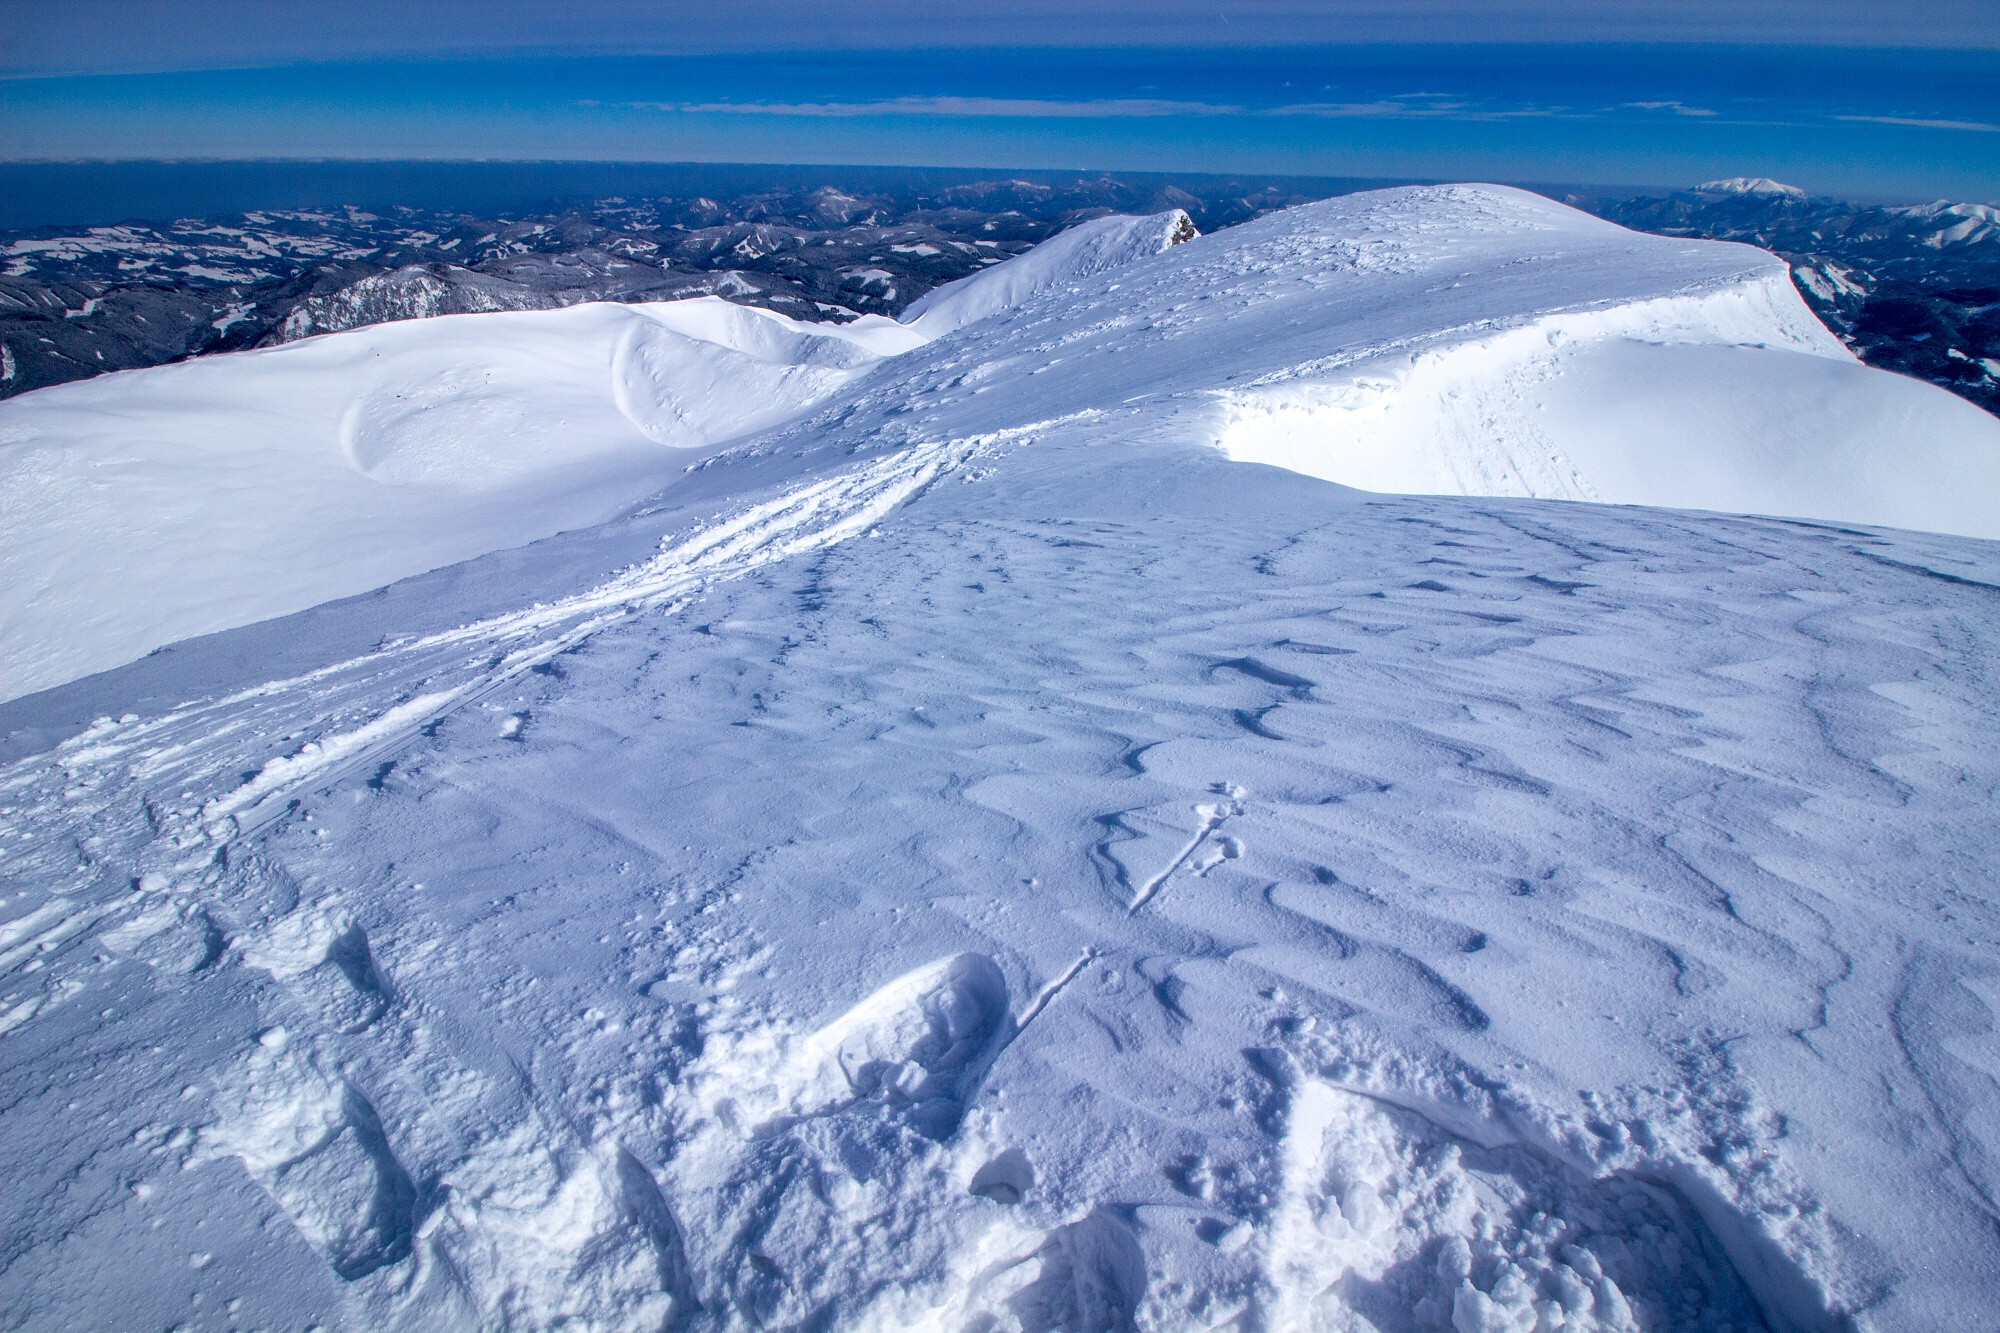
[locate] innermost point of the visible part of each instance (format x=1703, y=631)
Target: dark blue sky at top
x=103, y=36
x=1796, y=91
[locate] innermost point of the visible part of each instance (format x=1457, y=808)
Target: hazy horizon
x=1910, y=124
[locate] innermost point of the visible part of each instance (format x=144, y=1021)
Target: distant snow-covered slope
x=1068, y=257
x=1468, y=340
x=1762, y=185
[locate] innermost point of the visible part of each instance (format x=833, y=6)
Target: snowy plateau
x=1424, y=762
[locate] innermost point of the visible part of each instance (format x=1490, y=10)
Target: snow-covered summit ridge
x=1633, y=370
x=1761, y=185
x=1480, y=340
x=1461, y=340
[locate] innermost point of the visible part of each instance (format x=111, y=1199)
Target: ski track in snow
x=310, y=1139
x=334, y=717
x=1106, y=887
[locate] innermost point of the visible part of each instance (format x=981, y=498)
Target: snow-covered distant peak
x=1945, y=208
x=1957, y=224
x=1758, y=185
x=1085, y=249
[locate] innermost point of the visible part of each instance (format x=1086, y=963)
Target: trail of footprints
x=1380, y=1215
x=841, y=1147
x=840, y=1130
x=834, y=1133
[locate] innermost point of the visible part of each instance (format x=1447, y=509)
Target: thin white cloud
x=1036, y=108
x=1093, y=109
x=1400, y=110
x=1408, y=106
x=1678, y=108
x=1979, y=126
x=130, y=36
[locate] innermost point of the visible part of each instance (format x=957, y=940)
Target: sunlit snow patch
x=153, y=505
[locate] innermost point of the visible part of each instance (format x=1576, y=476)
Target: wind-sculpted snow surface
x=1045, y=876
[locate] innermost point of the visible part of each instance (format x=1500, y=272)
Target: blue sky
x=1803, y=92
x=98, y=36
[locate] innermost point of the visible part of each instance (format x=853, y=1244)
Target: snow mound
x=698, y=373
x=1733, y=399
x=150, y=506
x=1080, y=252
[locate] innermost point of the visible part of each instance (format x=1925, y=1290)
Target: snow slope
x=1082, y=251
x=1761, y=185
x=150, y=506
x=992, y=861
x=1481, y=342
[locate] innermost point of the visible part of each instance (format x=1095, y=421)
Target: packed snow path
x=1045, y=877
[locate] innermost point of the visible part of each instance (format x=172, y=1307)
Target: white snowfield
x=1750, y=185
x=976, y=855
x=142, y=508
x=1502, y=346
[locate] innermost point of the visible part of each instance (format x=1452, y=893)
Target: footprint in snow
x=922, y=1042
x=1385, y=1218
x=316, y=1146
x=1087, y=1277
x=332, y=970
x=864, y=1144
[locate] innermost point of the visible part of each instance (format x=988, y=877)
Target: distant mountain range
x=76, y=302
x=1913, y=289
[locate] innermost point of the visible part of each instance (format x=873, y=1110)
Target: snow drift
x=148, y=506
x=1732, y=399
